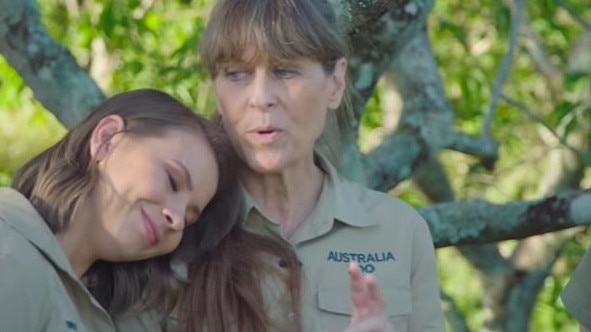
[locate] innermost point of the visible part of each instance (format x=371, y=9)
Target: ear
x=338, y=84
x=102, y=135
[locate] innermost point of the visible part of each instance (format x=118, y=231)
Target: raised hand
x=368, y=313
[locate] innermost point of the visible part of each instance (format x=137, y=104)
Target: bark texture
x=47, y=67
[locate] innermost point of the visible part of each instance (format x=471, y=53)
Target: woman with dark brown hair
x=92, y=226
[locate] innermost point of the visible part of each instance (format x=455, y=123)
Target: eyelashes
x=172, y=182
x=191, y=217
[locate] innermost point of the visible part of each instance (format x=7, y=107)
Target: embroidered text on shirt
x=365, y=260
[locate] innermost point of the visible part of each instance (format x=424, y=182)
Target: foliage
x=470, y=39
x=129, y=44
x=25, y=127
x=132, y=44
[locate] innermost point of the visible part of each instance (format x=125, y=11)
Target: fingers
x=374, y=296
x=366, y=297
x=359, y=293
x=368, y=314
x=375, y=324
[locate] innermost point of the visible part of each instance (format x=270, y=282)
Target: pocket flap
x=338, y=300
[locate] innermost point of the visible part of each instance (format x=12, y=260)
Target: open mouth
x=267, y=135
x=269, y=132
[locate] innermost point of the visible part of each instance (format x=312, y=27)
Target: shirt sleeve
x=22, y=291
x=426, y=313
x=576, y=296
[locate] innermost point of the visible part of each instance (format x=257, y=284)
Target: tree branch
x=521, y=300
x=516, y=20
x=426, y=124
x=541, y=121
x=478, y=222
x=533, y=45
x=452, y=314
x=378, y=31
x=395, y=159
x=573, y=13
x=47, y=67
x=485, y=149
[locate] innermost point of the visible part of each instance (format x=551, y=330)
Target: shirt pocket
x=337, y=301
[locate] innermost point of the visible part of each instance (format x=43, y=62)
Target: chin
x=266, y=163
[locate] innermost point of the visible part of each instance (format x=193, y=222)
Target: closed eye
x=173, y=184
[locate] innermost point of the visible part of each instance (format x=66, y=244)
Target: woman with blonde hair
x=279, y=72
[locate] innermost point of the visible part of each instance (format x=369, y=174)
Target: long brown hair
x=225, y=291
x=279, y=30
x=61, y=178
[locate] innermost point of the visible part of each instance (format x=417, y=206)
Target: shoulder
x=19, y=256
x=576, y=296
x=24, y=286
x=583, y=271
x=392, y=219
x=386, y=208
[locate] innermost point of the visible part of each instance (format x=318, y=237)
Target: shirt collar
x=346, y=196
x=18, y=212
x=340, y=200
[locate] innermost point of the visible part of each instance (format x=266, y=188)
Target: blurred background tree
x=476, y=112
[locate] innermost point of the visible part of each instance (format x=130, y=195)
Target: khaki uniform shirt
x=577, y=294
x=384, y=235
x=39, y=290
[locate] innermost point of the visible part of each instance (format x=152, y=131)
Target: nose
x=174, y=220
x=263, y=94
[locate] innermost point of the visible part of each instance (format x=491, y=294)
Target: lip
x=152, y=233
x=265, y=135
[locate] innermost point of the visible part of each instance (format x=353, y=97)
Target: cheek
x=149, y=183
x=231, y=112
x=231, y=102
x=224, y=100
x=172, y=242
x=231, y=122
x=313, y=113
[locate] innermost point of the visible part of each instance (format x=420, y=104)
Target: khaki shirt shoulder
x=577, y=294
x=24, y=288
x=38, y=292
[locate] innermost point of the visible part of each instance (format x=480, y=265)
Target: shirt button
x=283, y=263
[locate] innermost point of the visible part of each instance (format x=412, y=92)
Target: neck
x=74, y=240
x=289, y=196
